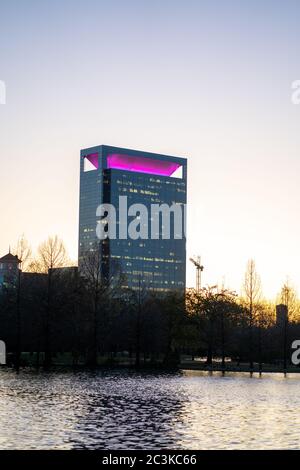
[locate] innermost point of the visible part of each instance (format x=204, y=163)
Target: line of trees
x=94, y=320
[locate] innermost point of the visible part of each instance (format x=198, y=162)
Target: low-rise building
x=9, y=270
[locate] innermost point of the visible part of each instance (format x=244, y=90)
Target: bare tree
x=264, y=319
x=213, y=308
x=102, y=284
x=36, y=266
x=23, y=251
x=51, y=254
x=252, y=292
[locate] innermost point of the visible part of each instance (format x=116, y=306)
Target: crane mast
x=199, y=268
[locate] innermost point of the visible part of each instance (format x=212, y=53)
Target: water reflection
x=126, y=410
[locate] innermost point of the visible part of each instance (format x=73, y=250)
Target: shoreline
x=267, y=369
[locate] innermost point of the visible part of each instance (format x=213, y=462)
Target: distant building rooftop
x=9, y=258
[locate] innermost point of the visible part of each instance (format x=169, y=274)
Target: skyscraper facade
x=148, y=194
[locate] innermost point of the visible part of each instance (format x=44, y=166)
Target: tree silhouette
x=252, y=292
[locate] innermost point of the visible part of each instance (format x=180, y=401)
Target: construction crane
x=199, y=269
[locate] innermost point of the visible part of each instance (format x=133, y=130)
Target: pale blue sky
x=210, y=80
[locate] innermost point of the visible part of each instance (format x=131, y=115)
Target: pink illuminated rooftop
x=120, y=161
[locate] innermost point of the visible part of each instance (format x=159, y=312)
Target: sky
x=207, y=80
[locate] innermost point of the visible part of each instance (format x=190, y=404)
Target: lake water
x=127, y=410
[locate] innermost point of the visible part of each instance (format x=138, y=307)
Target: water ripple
x=128, y=410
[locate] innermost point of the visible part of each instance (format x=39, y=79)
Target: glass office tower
x=157, y=260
